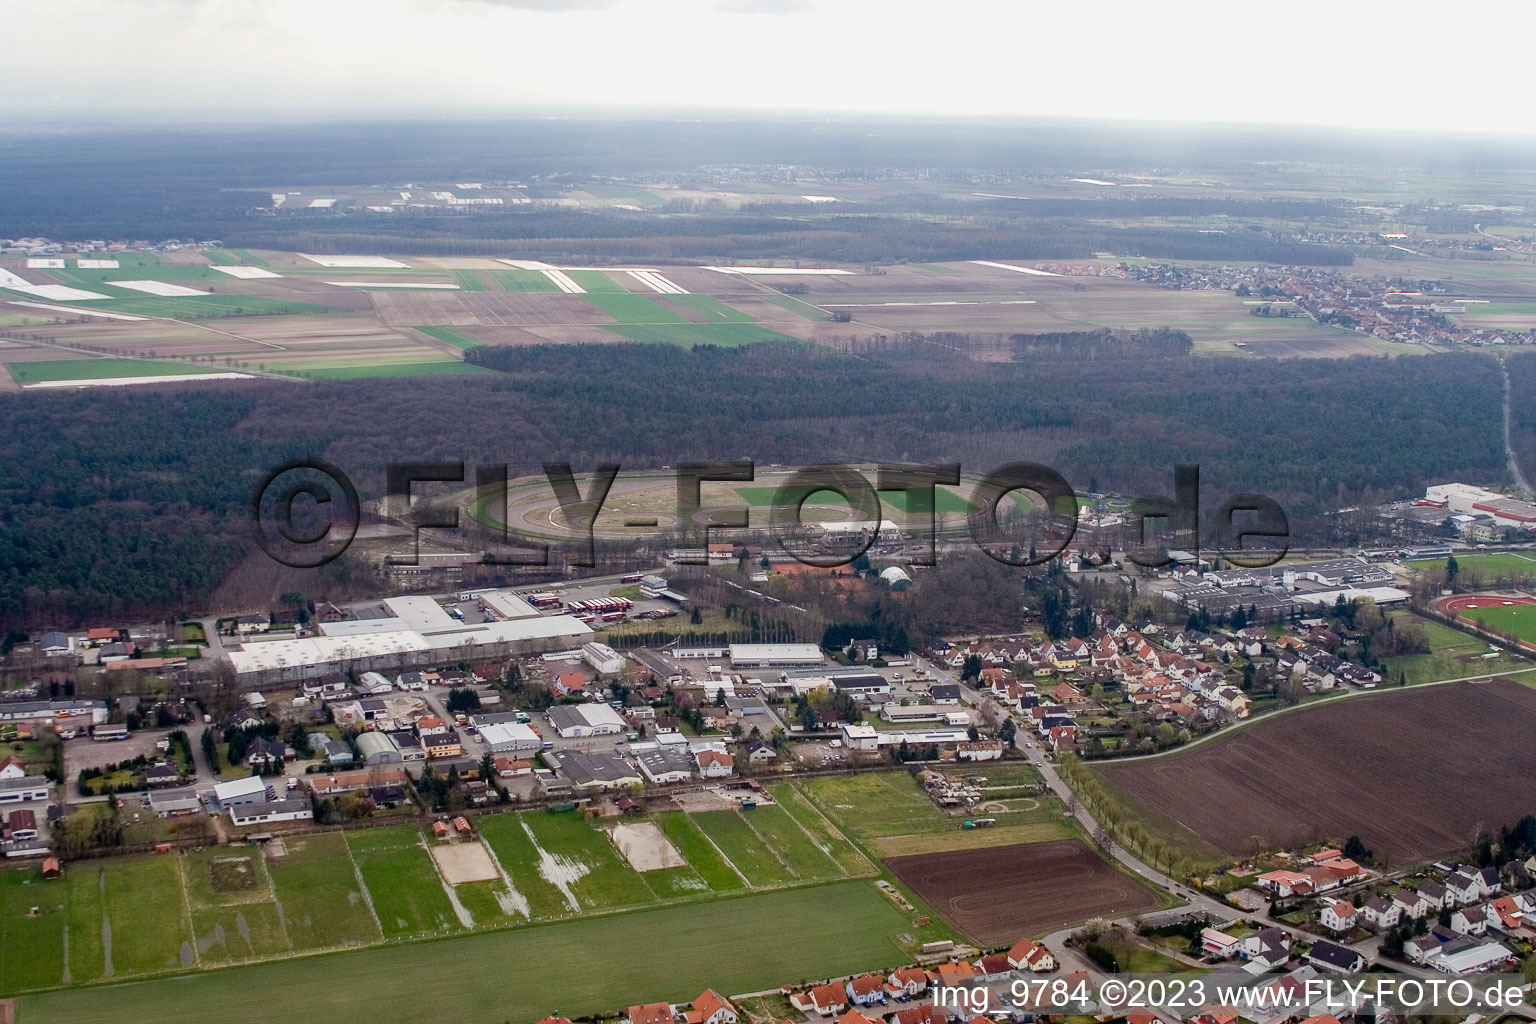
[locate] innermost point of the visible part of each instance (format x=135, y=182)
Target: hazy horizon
x=197, y=61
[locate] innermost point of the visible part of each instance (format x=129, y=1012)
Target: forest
x=134, y=502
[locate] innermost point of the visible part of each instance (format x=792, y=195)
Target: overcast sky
x=1407, y=65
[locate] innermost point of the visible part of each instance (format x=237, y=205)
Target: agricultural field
x=997, y=895
x=839, y=929
x=1347, y=774
x=94, y=369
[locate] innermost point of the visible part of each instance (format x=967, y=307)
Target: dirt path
x=1509, y=449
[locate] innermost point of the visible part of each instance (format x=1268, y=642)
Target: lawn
x=1516, y=619
x=513, y=849
x=609, y=881
x=696, y=849
x=737, y=840
x=228, y=934
x=95, y=369
x=322, y=902
x=513, y=280
x=31, y=947
x=432, y=369
x=452, y=336
x=675, y=883
x=403, y=884
x=838, y=929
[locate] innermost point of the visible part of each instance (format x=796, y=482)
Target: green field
x=515, y=280
x=323, y=904
x=403, y=884
x=608, y=880
x=1516, y=619
x=423, y=369
x=1452, y=655
x=784, y=836
x=201, y=307
x=221, y=257
x=714, y=309
x=740, y=842
x=723, y=335
x=838, y=929
x=32, y=950
x=696, y=849
x=469, y=281
x=95, y=369
x=628, y=308
x=1489, y=567
x=877, y=804
x=125, y=272
x=514, y=849
x=596, y=281
x=822, y=832
x=944, y=499
x=452, y=336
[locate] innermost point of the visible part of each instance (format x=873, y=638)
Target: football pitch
x=1515, y=619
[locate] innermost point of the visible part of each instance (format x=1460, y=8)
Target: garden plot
x=646, y=848
x=246, y=273
x=161, y=288
x=364, y=262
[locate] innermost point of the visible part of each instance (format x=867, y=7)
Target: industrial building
x=345, y=645
x=603, y=659
x=775, y=655
x=1468, y=500
x=575, y=721
x=509, y=737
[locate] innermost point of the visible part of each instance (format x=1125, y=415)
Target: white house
x=715, y=764
x=1338, y=916
x=1382, y=912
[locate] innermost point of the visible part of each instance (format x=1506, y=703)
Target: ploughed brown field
x=997, y=895
x=1415, y=773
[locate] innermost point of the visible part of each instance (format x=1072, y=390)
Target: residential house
x=1410, y=904
x=1382, y=912
x=1469, y=921
x=1218, y=944
x=760, y=753
x=1028, y=955
x=1332, y=957
x=908, y=981
x=570, y=684
x=442, y=744
x=1268, y=947
x=710, y=1008
x=822, y=1000
x=714, y=764
x=651, y=1013
x=866, y=990
x=1338, y=916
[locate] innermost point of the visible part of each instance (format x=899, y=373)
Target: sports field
x=1515, y=619
x=1490, y=567
x=751, y=943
